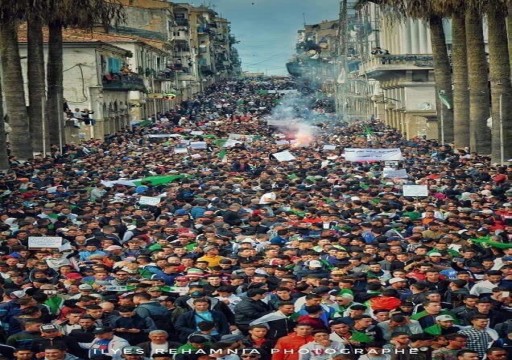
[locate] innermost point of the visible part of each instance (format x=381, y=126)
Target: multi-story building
x=398, y=56
x=109, y=75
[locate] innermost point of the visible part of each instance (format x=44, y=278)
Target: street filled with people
x=250, y=223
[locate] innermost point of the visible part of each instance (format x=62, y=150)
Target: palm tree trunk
x=442, y=73
x=460, y=81
x=55, y=83
x=479, y=102
x=36, y=81
x=12, y=81
x=4, y=158
x=501, y=88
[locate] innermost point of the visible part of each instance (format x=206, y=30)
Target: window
x=420, y=76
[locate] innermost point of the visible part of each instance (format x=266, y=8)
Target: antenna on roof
x=304, y=18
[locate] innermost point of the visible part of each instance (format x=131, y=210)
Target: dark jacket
x=186, y=303
x=186, y=324
x=70, y=343
x=248, y=310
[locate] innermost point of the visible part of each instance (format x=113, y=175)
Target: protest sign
x=284, y=156
x=329, y=147
x=198, y=145
x=358, y=155
x=149, y=200
x=54, y=242
x=180, y=150
x=415, y=190
x=394, y=173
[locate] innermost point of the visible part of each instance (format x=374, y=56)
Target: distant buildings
x=164, y=53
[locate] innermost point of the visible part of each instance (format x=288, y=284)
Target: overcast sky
x=267, y=29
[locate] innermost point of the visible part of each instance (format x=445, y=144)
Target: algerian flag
x=159, y=179
x=368, y=131
x=486, y=241
x=222, y=153
x=444, y=99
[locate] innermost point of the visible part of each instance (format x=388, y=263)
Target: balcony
x=381, y=66
x=166, y=75
x=123, y=82
x=181, y=22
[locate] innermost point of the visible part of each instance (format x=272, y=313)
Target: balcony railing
x=397, y=62
x=181, y=22
x=123, y=82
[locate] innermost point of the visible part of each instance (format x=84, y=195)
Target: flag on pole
x=444, y=99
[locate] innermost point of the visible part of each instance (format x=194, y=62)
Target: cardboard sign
x=394, y=173
x=284, y=156
x=149, y=200
x=198, y=145
x=329, y=147
x=180, y=150
x=54, y=242
x=415, y=190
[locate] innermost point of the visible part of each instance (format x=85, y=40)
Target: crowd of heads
x=246, y=256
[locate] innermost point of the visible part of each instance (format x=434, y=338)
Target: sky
x=267, y=29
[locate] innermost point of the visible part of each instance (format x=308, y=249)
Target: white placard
x=373, y=154
x=198, y=145
x=196, y=132
x=394, y=173
x=164, y=135
x=230, y=143
x=54, y=242
x=415, y=190
x=149, y=200
x=241, y=137
x=329, y=147
x=195, y=156
x=180, y=150
x=284, y=156
x=65, y=247
x=115, y=288
x=282, y=142
x=391, y=164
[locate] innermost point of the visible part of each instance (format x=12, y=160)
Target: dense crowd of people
x=188, y=239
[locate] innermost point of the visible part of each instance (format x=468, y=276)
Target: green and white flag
x=444, y=99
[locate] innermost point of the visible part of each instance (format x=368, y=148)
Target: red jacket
x=291, y=344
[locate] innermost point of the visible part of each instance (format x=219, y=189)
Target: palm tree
x=480, y=134
x=499, y=76
x=442, y=73
x=36, y=79
x=12, y=80
x=456, y=8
